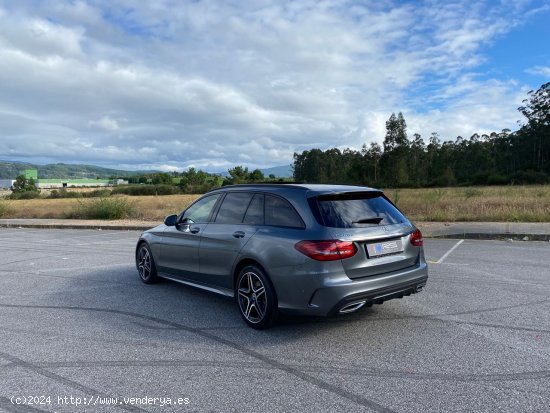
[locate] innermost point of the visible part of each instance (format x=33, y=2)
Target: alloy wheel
x=144, y=263
x=252, y=297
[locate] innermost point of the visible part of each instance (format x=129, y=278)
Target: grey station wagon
x=303, y=249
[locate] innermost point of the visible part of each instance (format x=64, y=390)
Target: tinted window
x=200, y=210
x=233, y=208
x=358, y=210
x=255, y=212
x=280, y=213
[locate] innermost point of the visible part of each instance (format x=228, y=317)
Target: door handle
x=238, y=234
x=194, y=230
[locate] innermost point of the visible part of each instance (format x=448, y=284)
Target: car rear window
x=358, y=210
x=255, y=212
x=279, y=212
x=233, y=208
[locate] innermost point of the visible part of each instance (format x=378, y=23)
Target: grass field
x=142, y=207
x=504, y=203
x=492, y=203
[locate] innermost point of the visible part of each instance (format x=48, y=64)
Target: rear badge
x=342, y=235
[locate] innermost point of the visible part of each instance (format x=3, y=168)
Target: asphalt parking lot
x=75, y=321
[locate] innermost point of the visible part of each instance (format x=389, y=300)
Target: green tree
x=22, y=184
x=496, y=158
x=394, y=160
x=241, y=175
x=309, y=166
x=396, y=133
x=536, y=132
x=256, y=176
x=162, y=178
x=417, y=160
x=372, y=157
x=237, y=175
x=192, y=180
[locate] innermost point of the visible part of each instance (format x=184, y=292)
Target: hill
x=10, y=170
x=284, y=171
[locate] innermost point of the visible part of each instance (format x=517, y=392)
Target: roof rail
x=293, y=185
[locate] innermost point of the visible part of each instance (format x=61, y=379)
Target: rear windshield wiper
x=374, y=220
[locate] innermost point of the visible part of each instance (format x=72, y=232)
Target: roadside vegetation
x=24, y=188
x=147, y=208
x=490, y=203
x=4, y=208
x=515, y=203
x=499, y=158
x=103, y=208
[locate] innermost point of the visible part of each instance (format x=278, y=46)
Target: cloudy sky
x=171, y=84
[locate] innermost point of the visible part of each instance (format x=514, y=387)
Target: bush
x=134, y=190
x=496, y=179
x=530, y=177
x=63, y=193
x=25, y=195
x=98, y=193
x=4, y=209
x=198, y=189
x=103, y=208
x=480, y=178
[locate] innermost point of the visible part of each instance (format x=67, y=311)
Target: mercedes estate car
x=293, y=248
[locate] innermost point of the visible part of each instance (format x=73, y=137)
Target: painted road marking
x=454, y=247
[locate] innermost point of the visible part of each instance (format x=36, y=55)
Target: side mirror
x=170, y=220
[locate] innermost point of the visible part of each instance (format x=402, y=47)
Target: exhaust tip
x=350, y=308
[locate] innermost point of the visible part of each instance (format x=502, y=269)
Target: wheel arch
x=139, y=243
x=152, y=240
x=242, y=263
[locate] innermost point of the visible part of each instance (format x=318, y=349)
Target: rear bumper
x=379, y=295
x=332, y=297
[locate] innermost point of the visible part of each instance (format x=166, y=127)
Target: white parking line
x=449, y=252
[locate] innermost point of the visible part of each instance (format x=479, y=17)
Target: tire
x=256, y=298
x=145, y=264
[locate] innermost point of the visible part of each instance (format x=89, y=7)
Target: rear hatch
x=380, y=232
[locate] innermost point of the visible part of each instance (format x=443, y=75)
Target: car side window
x=279, y=212
x=255, y=212
x=200, y=210
x=233, y=208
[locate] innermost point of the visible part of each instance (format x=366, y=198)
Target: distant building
x=27, y=173
x=62, y=183
x=78, y=183
x=6, y=183
x=30, y=173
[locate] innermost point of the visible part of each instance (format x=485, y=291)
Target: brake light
x=327, y=250
x=416, y=238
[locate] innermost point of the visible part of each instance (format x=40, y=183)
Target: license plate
x=379, y=249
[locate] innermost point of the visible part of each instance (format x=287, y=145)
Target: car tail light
x=416, y=238
x=327, y=250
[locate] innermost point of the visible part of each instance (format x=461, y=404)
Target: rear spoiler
x=333, y=196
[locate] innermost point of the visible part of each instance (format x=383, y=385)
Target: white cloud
x=106, y=123
x=540, y=70
x=479, y=110
x=211, y=84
